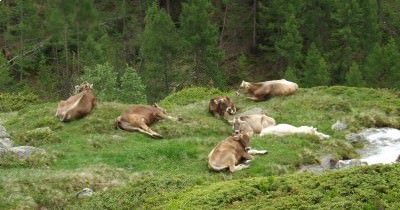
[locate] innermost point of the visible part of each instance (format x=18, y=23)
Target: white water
x=381, y=145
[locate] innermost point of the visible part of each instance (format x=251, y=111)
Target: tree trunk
x=21, y=43
x=223, y=25
x=254, y=22
x=66, y=49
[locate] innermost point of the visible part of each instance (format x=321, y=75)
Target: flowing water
x=382, y=145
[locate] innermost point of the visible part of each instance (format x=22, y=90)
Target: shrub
x=132, y=88
x=37, y=137
x=190, y=95
x=17, y=101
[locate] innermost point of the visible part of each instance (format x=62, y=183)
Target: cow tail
x=116, y=123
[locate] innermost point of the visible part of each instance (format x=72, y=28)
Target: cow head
x=240, y=126
x=244, y=86
x=84, y=86
x=161, y=111
x=244, y=140
x=227, y=105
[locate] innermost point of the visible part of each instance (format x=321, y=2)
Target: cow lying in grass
x=221, y=105
x=78, y=105
x=264, y=90
x=253, y=123
x=230, y=153
x=140, y=117
x=286, y=129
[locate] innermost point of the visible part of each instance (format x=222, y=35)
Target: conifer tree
x=160, y=47
x=132, y=89
x=354, y=77
x=5, y=78
x=201, y=44
x=316, y=70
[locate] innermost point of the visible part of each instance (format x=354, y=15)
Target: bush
x=190, y=95
x=17, y=101
x=104, y=80
x=37, y=137
x=132, y=89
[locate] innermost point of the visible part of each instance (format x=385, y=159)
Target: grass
x=130, y=170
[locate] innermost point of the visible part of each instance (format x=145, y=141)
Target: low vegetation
x=130, y=170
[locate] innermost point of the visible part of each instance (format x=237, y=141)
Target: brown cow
x=252, y=123
x=78, y=105
x=229, y=153
x=140, y=117
x=264, y=90
x=221, y=105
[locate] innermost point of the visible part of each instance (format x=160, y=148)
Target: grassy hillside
x=131, y=170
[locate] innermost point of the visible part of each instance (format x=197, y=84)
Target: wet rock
x=338, y=126
x=86, y=192
x=350, y=163
x=6, y=143
x=26, y=151
x=3, y=132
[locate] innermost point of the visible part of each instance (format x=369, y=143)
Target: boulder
x=26, y=151
x=86, y=192
x=6, y=143
x=338, y=126
x=350, y=163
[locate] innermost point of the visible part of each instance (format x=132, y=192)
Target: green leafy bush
x=16, y=101
x=190, y=95
x=37, y=137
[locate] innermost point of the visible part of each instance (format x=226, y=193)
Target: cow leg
x=253, y=98
x=233, y=168
x=247, y=156
x=146, y=128
x=126, y=126
x=257, y=152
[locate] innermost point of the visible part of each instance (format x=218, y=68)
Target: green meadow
x=133, y=171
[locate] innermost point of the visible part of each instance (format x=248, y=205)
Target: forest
x=153, y=48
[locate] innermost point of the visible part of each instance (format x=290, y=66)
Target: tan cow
x=253, y=123
x=78, y=105
x=229, y=153
x=264, y=90
x=140, y=117
x=221, y=105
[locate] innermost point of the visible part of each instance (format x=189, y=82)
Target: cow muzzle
x=231, y=110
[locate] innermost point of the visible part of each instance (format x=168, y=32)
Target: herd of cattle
x=232, y=153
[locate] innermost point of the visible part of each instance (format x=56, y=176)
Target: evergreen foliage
x=5, y=77
x=316, y=72
x=200, y=37
x=354, y=77
x=132, y=89
x=104, y=80
x=160, y=49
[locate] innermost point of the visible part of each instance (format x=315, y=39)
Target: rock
x=86, y=192
x=350, y=163
x=26, y=151
x=3, y=132
x=117, y=138
x=338, y=126
x=6, y=143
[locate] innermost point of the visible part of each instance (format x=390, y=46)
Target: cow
x=286, y=129
x=264, y=90
x=253, y=123
x=230, y=153
x=220, y=105
x=140, y=117
x=78, y=105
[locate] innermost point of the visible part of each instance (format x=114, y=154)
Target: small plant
x=17, y=101
x=37, y=137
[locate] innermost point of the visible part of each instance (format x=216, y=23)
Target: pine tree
x=159, y=48
x=201, y=44
x=132, y=89
x=290, y=45
x=382, y=68
x=5, y=78
x=291, y=75
x=354, y=77
x=316, y=72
